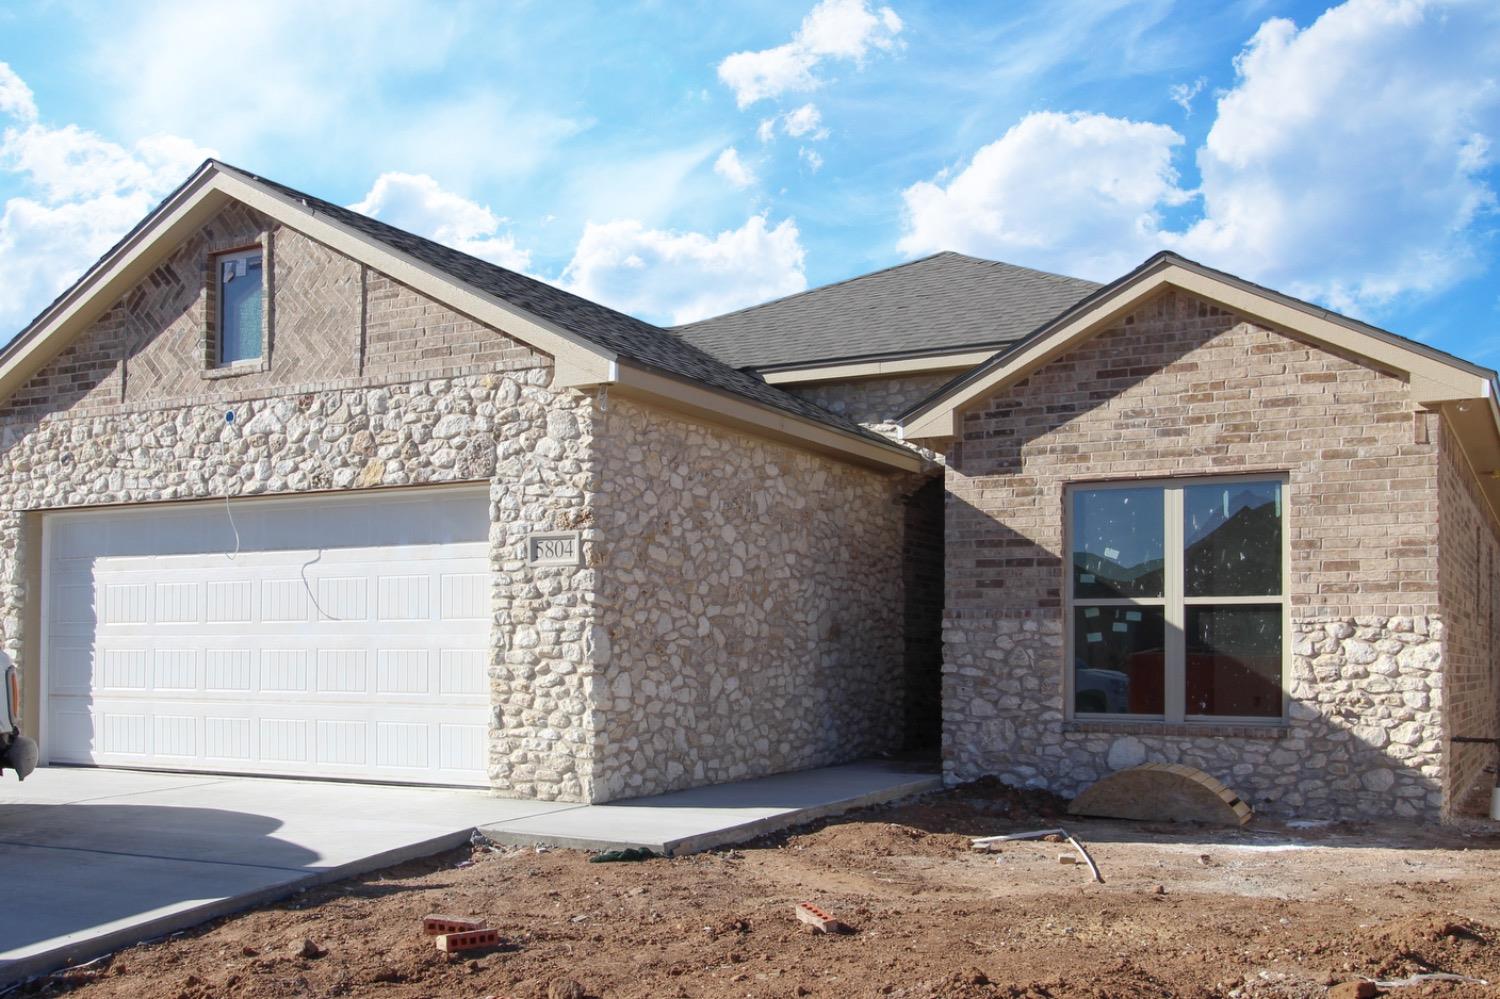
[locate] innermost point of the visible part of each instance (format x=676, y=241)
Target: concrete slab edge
x=83, y=950
x=776, y=823
x=726, y=836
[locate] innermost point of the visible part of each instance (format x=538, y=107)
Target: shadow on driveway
x=73, y=870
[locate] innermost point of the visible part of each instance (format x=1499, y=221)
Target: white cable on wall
x=233, y=528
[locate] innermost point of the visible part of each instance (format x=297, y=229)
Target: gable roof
x=1465, y=392
x=589, y=342
x=942, y=303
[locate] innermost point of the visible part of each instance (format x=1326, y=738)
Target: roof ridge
x=812, y=291
x=1007, y=265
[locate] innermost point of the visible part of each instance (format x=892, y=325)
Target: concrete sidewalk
x=707, y=817
x=98, y=859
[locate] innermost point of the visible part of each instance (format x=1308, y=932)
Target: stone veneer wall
x=749, y=597
x=874, y=402
x=126, y=415
x=1469, y=543
x=1183, y=388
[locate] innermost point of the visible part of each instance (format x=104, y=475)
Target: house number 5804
x=563, y=548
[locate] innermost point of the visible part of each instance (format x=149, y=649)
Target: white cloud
x=1079, y=193
x=79, y=193
x=733, y=169
x=804, y=122
x=811, y=157
x=417, y=203
x=15, y=97
x=1182, y=94
x=833, y=29
x=1350, y=163
x=678, y=277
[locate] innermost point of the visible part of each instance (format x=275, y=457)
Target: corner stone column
x=543, y=656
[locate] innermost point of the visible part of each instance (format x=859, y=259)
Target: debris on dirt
x=989, y=843
x=1046, y=835
x=452, y=943
x=1423, y=979
x=308, y=948
x=820, y=921
x=566, y=988
x=629, y=855
x=1155, y=791
x=1204, y=860
x=1066, y=858
x=1354, y=990
x=435, y=926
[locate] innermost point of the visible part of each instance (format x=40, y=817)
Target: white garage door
x=347, y=637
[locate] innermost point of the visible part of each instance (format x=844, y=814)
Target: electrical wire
x=232, y=527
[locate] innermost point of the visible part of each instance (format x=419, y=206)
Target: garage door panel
x=308, y=740
x=367, y=661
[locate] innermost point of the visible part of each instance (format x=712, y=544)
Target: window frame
x=217, y=270
x=1174, y=602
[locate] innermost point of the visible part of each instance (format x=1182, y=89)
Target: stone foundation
x=1363, y=734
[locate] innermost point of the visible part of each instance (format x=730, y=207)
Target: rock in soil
x=308, y=948
x=1354, y=990
x=566, y=988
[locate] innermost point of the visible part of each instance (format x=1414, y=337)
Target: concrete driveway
x=97, y=859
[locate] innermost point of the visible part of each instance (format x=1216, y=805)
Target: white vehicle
x=17, y=752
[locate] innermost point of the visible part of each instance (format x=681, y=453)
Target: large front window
x=1177, y=599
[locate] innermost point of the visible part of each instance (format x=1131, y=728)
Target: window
x=1176, y=599
x=241, y=313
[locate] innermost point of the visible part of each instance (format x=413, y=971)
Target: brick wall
x=330, y=322
x=407, y=332
x=1183, y=388
x=1469, y=554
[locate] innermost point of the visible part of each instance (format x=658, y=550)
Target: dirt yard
x=1266, y=911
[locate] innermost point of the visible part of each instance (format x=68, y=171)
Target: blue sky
x=677, y=159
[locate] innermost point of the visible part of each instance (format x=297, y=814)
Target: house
x=291, y=491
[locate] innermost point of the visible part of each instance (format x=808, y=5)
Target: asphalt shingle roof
x=948, y=301
x=630, y=338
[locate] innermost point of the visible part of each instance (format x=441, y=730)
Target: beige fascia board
x=856, y=370
x=1433, y=380
x=1475, y=426
x=578, y=363
x=711, y=406
x=112, y=277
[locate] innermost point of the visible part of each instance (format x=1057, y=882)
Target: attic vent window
x=241, y=306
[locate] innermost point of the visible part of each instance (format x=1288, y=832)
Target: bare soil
x=1270, y=910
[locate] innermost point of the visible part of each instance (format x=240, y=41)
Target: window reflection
x=1234, y=660
x=1232, y=540
x=1119, y=660
x=1117, y=543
